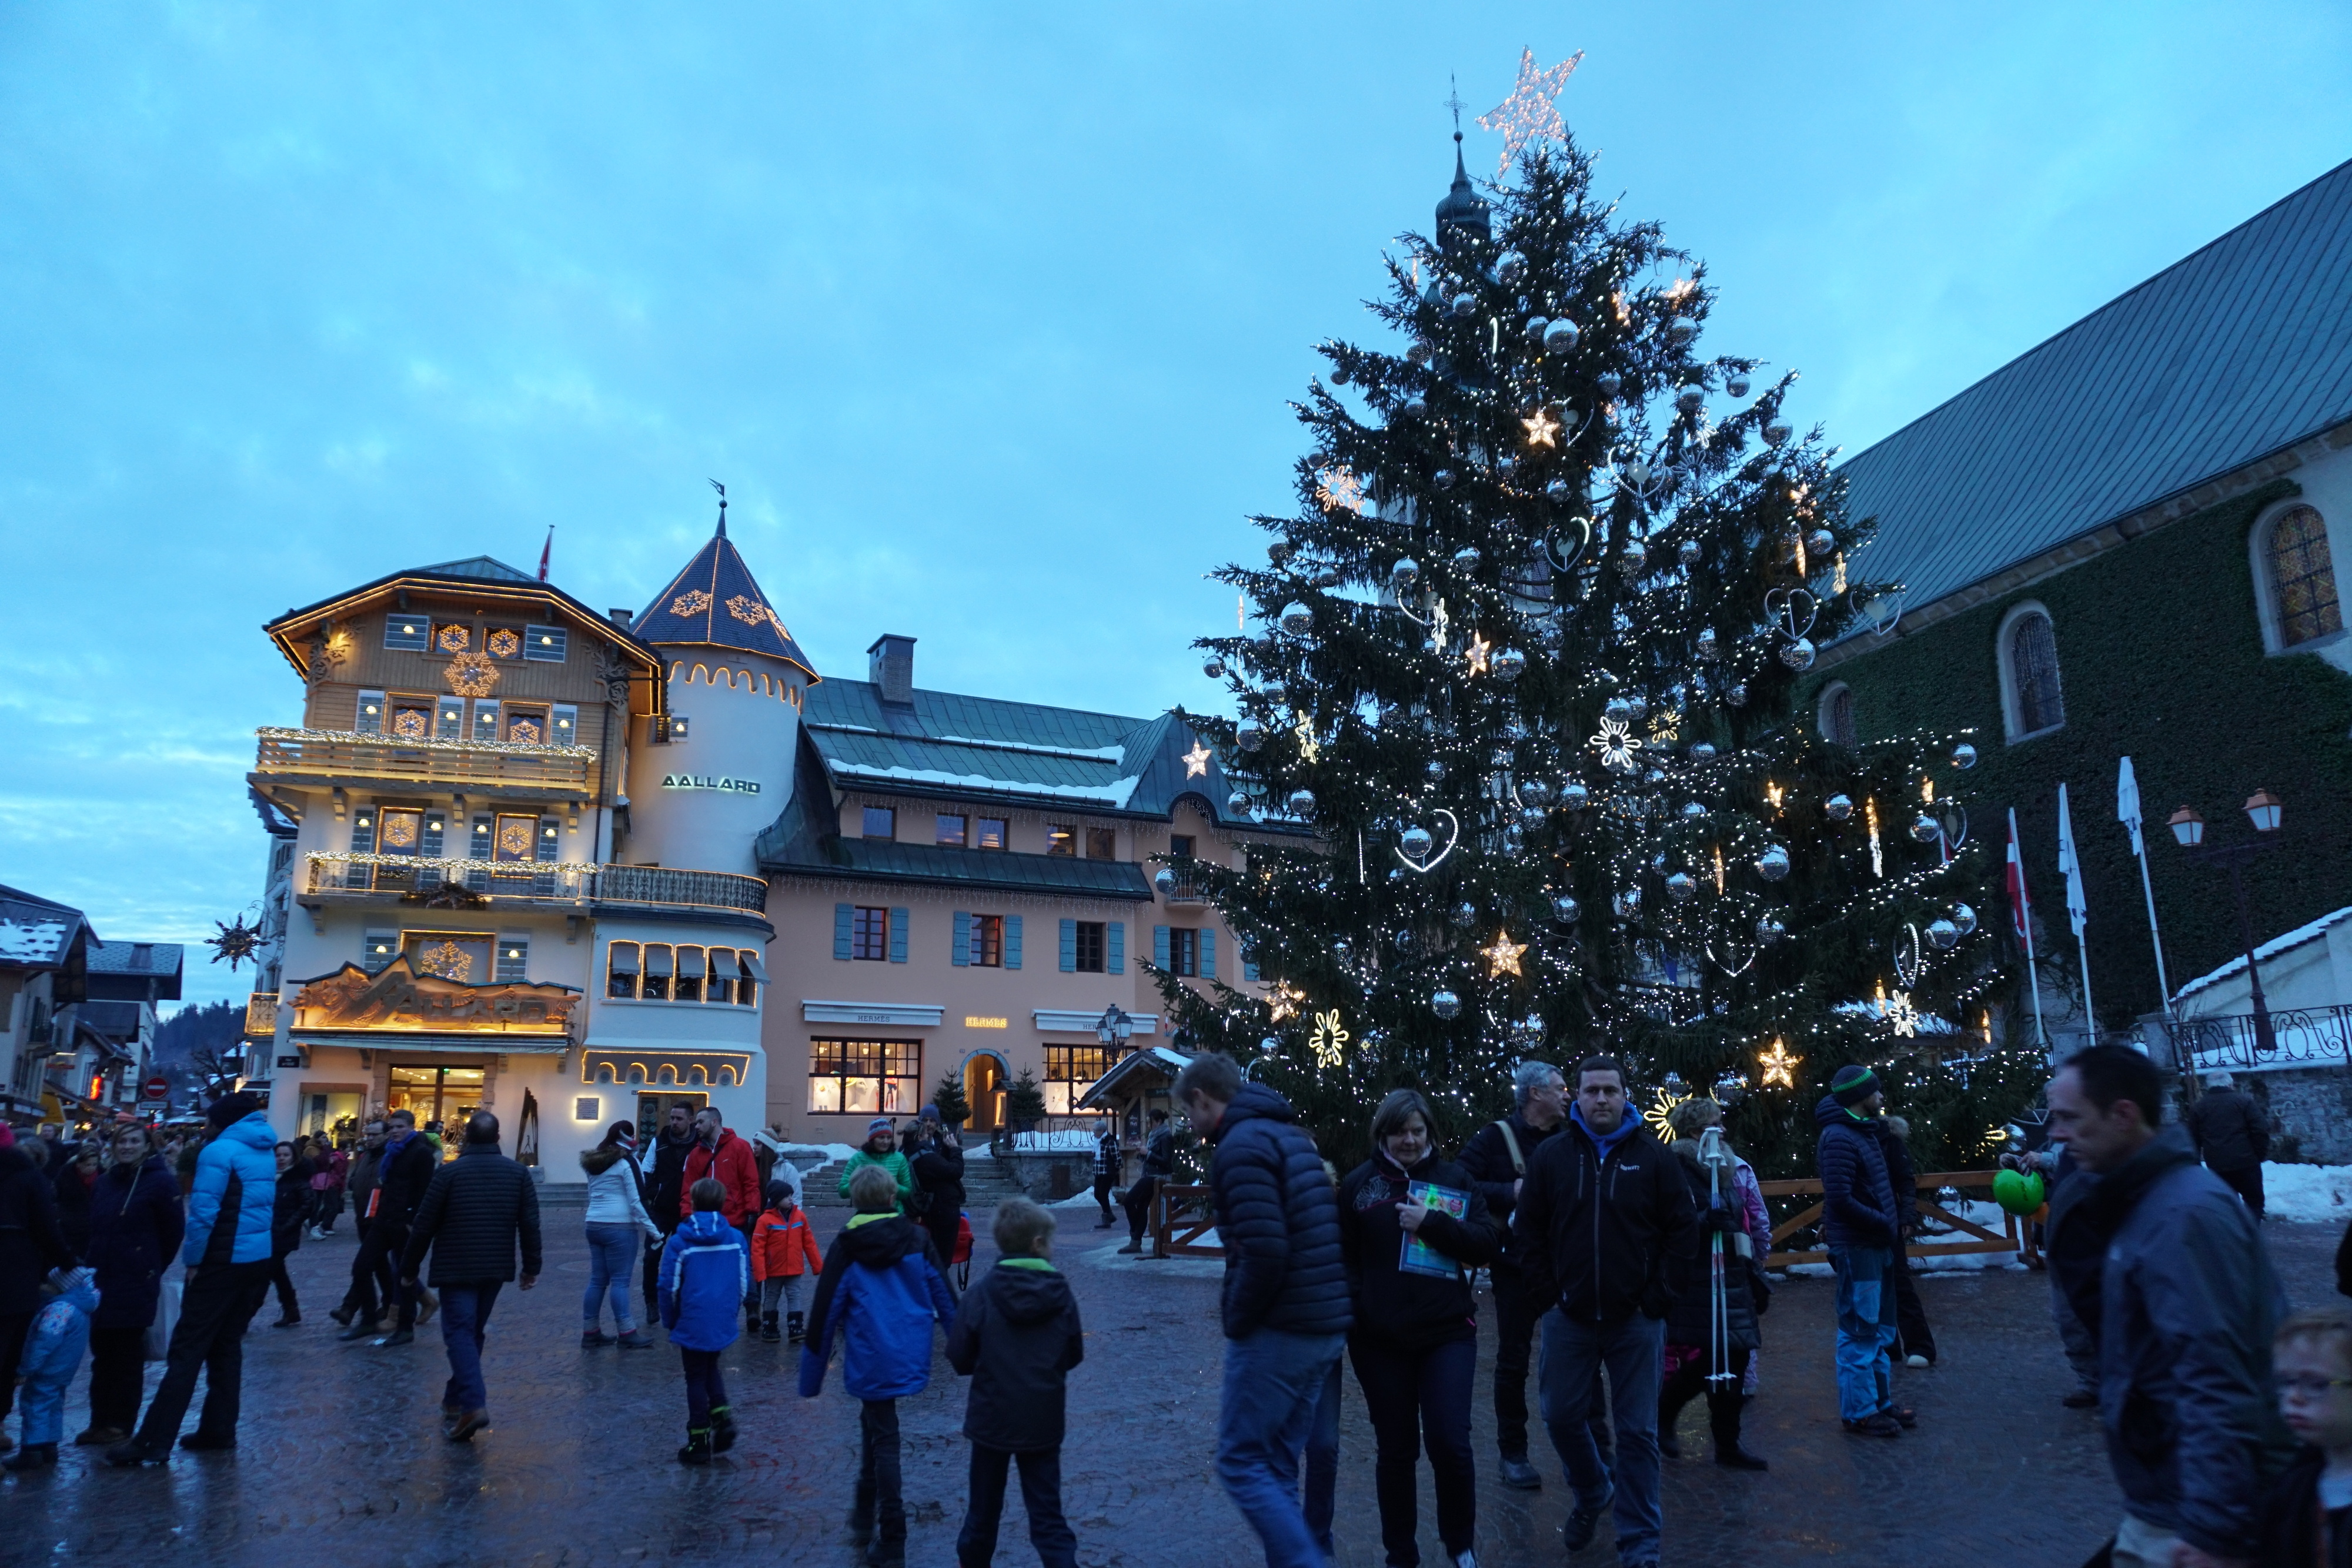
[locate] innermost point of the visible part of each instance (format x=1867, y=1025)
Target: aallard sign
x=397, y=998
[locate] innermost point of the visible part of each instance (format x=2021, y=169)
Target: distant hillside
x=216, y=1026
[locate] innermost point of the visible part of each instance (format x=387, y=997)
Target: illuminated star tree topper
x=1529, y=114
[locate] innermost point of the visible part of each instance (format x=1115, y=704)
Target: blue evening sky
x=987, y=315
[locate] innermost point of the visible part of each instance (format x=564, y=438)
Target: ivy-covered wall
x=2160, y=659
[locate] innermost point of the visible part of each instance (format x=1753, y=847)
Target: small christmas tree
x=1025, y=1104
x=1526, y=662
x=954, y=1109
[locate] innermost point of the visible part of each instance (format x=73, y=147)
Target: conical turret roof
x=715, y=602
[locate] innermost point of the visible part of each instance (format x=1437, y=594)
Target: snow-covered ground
x=2312, y=1193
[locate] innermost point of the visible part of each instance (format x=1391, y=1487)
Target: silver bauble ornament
x=1702, y=751
x=1838, y=808
x=1535, y=792
x=1403, y=940
x=1443, y=478
x=1673, y=1083
x=1729, y=1088
x=1536, y=325
x=1414, y=406
x=1693, y=811
x=1707, y=647
x=1632, y=558
x=1214, y=667
x=1778, y=429
x=1237, y=804
x=1465, y=559
x=1419, y=351
x=1735, y=384
x=1404, y=574
x=1297, y=619
x=1465, y=306
x=1679, y=331
x=1690, y=397
x=1465, y=913
x=1964, y=919
x=1560, y=336
x=1509, y=267
x=1926, y=830
x=1275, y=692
x=1508, y=664
x=1558, y=492
x=1618, y=708
x=1798, y=654
x=1608, y=382
x=1964, y=756
x=1773, y=865
x=1822, y=543
x=1637, y=706
x=1688, y=552
x=1301, y=802
x=1446, y=1006
x=1416, y=843
x=1343, y=951
x=1574, y=797
x=1532, y=818
x=1681, y=886
x=1165, y=881
x=1735, y=694
x=1434, y=770
x=1769, y=929
x=1566, y=909
x=1627, y=903
x=1943, y=935
x=1515, y=839
x=1249, y=735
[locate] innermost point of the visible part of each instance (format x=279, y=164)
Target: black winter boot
x=31, y=1456
x=769, y=1332
x=795, y=1327
x=1723, y=1418
x=722, y=1428
x=697, y=1447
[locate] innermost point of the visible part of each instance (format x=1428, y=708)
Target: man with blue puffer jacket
x=705, y=1269
x=879, y=1292
x=227, y=1250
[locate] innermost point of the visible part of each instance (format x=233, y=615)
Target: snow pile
x=2310, y=1193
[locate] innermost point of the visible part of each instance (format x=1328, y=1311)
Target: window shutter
x=563, y=729
x=379, y=948
x=412, y=633
x=1070, y=946
x=449, y=719
x=550, y=838
x=842, y=914
x=1249, y=968
x=367, y=717
x=899, y=920
x=1208, y=952
x=543, y=643
x=1013, y=941
x=485, y=718
x=961, y=952
x=1160, y=946
x=514, y=959
x=364, y=831
x=428, y=844
x=1115, y=940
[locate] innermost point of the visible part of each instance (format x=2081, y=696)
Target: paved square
x=339, y=1459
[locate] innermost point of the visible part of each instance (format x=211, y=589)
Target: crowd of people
x=1625, y=1273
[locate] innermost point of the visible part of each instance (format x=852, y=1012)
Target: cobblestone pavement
x=340, y=1454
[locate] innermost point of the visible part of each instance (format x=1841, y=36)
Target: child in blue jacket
x=878, y=1294
x=706, y=1272
x=53, y=1348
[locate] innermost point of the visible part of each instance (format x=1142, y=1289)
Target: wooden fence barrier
x=1969, y=1236
x=1180, y=1216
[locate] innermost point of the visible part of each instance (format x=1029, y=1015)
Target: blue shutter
x=428, y=841
x=1160, y=946
x=1208, y=952
x=1070, y=946
x=550, y=840
x=961, y=955
x=1116, y=941
x=898, y=919
x=1249, y=968
x=1013, y=941
x=842, y=915
x=367, y=714
x=363, y=829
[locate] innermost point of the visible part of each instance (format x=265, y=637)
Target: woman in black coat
x=935, y=1155
x=1408, y=1251
x=73, y=1178
x=1690, y=1320
x=286, y=1229
x=136, y=1223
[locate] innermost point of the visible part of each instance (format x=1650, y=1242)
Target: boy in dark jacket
x=706, y=1270
x=1017, y=1337
x=1862, y=1226
x=878, y=1294
x=2306, y=1517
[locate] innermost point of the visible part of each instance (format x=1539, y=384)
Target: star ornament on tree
x=1196, y=761
x=1477, y=653
x=1541, y=428
x=1529, y=114
x=1283, y=1001
x=1503, y=957
x=1780, y=1068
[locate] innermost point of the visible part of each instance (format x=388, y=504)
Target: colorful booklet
x=1418, y=1257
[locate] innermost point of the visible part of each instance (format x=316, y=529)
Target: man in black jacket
x=1862, y=1229
x=1159, y=1164
x=1285, y=1295
x=671, y=1145
x=2233, y=1132
x=477, y=1209
x=402, y=1175
x=1607, y=1236
x=1496, y=1157
x=936, y=1162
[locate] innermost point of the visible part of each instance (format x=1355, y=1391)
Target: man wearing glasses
x=2162, y=1263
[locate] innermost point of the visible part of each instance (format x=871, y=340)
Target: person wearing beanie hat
x=1861, y=1225
x=881, y=1148
x=783, y=1254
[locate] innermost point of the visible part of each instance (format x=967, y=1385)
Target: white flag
x=2128, y=804
x=2070, y=863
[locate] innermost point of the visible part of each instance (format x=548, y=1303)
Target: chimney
x=622, y=618
x=890, y=664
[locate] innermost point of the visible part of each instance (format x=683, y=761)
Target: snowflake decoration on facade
x=504, y=644
x=472, y=675
x=409, y=724
x=455, y=639
x=1283, y=1001
x=1341, y=489
x=1329, y=1041
x=448, y=960
x=1780, y=1068
x=1660, y=1115
x=1503, y=957
x=1617, y=742
x=235, y=943
x=1541, y=428
x=686, y=606
x=514, y=838
x=749, y=610
x=1529, y=115
x=1196, y=761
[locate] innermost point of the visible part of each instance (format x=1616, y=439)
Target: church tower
x=717, y=768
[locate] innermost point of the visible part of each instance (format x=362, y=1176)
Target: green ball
x=2020, y=1192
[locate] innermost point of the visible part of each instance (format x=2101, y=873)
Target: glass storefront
x=440, y=1097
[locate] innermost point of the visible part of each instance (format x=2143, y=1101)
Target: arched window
x=1835, y=714
x=2028, y=668
x=2302, y=577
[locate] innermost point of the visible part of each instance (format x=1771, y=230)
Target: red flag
x=2019, y=906
x=545, y=550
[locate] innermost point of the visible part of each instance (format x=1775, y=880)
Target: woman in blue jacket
x=135, y=1226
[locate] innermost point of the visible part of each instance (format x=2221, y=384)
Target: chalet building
x=2123, y=544
x=575, y=867
x=77, y=1013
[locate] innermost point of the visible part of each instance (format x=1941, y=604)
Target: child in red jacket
x=782, y=1251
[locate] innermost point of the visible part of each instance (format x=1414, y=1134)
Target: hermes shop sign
x=710, y=781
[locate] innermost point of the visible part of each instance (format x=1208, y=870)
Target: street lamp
x=2265, y=810
x=1114, y=1029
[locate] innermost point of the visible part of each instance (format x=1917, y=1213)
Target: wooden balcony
x=331, y=756
x=414, y=880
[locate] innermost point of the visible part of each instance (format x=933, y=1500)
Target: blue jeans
x=1323, y=1463
x=1274, y=1381
x=1866, y=1326
x=1633, y=1349
x=465, y=1314
x=612, y=1248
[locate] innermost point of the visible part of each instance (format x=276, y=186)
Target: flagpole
x=2128, y=804
x=2025, y=926
x=2078, y=907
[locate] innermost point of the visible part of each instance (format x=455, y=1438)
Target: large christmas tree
x=1528, y=663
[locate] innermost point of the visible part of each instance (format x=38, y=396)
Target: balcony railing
x=330, y=754
x=261, y=1016
x=2305, y=1036
x=555, y=882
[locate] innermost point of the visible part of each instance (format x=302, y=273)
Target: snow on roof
x=2270, y=949
x=35, y=942
x=1115, y=795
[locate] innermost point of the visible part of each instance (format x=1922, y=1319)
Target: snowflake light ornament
x=1901, y=1016
x=1617, y=742
x=1341, y=489
x=1660, y=1115
x=1329, y=1041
